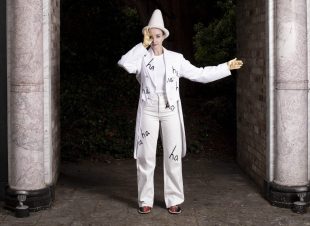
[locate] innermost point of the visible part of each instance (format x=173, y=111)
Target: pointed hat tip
x=157, y=21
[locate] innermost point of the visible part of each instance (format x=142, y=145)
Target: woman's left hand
x=234, y=64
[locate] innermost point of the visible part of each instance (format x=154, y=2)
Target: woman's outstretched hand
x=147, y=40
x=234, y=64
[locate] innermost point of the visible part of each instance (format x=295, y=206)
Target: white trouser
x=156, y=114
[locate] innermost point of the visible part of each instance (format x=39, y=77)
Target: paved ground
x=216, y=192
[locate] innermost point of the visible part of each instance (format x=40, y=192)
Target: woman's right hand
x=234, y=64
x=147, y=40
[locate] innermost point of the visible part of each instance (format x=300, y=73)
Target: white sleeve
x=132, y=60
x=203, y=74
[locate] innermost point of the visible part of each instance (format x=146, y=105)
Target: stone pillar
x=51, y=74
x=291, y=103
x=26, y=94
x=3, y=103
x=25, y=102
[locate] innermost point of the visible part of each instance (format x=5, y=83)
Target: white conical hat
x=157, y=21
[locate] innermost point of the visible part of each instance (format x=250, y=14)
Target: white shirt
x=160, y=72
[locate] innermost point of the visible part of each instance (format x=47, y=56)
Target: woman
x=158, y=71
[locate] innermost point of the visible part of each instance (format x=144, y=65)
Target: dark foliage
x=98, y=99
x=216, y=43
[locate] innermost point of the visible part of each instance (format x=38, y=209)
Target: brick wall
x=51, y=89
x=251, y=88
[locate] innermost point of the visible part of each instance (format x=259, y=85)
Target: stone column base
x=285, y=196
x=36, y=200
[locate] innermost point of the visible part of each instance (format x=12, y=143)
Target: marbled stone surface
x=51, y=45
x=291, y=154
x=25, y=27
x=291, y=41
x=292, y=131
x=25, y=84
x=55, y=89
x=308, y=44
x=33, y=79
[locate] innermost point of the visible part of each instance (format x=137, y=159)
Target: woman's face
x=157, y=36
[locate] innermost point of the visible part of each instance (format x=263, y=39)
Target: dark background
x=99, y=99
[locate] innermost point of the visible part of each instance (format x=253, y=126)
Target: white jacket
x=138, y=60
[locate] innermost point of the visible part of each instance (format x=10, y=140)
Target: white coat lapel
x=168, y=64
x=149, y=65
x=172, y=76
x=171, y=70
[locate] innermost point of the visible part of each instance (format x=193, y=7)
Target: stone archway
x=272, y=98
